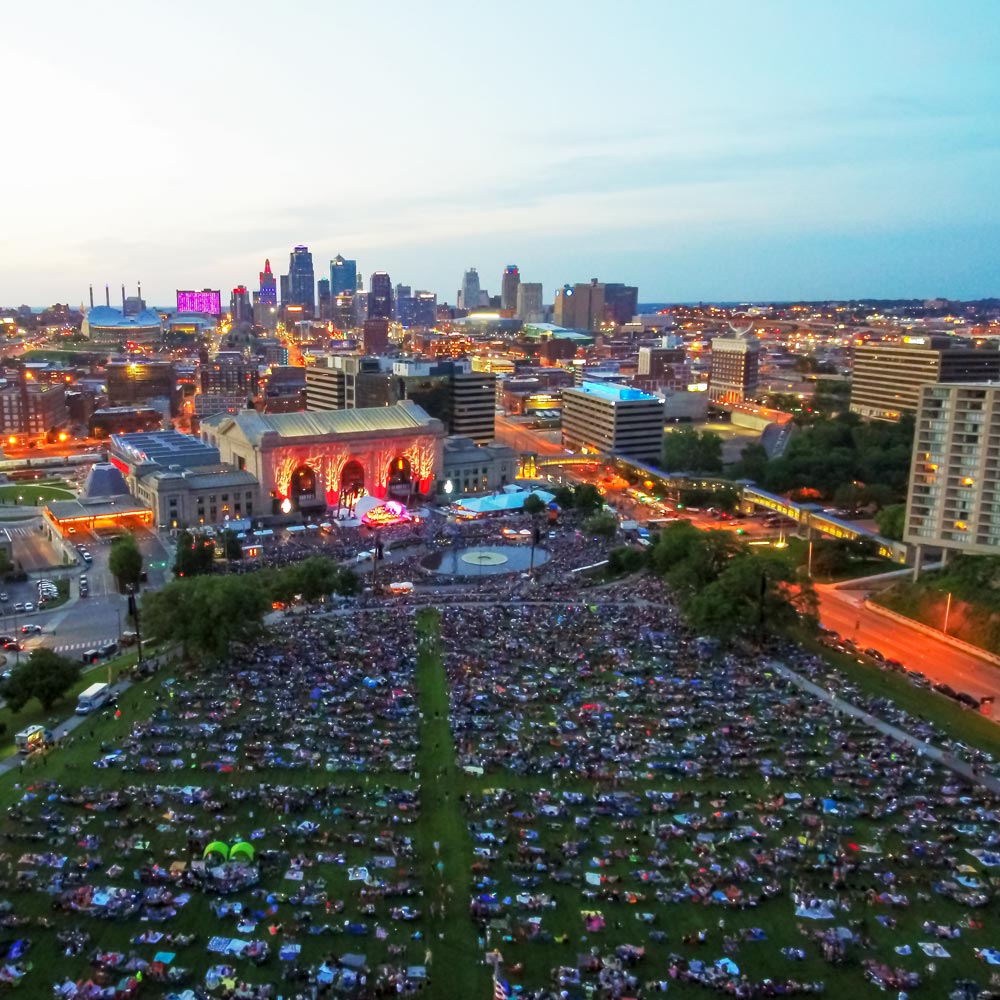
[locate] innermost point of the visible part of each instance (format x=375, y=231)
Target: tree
x=587, y=498
x=564, y=497
x=627, y=559
x=689, y=450
x=44, y=675
x=232, y=550
x=603, y=525
x=753, y=462
x=125, y=561
x=533, y=505
x=195, y=554
x=891, y=521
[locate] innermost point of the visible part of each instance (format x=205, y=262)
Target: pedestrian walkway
x=900, y=735
x=86, y=644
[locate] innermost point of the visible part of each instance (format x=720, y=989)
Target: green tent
x=217, y=847
x=243, y=849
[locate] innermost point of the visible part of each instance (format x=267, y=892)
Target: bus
x=94, y=697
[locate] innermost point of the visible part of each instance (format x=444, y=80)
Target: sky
x=725, y=151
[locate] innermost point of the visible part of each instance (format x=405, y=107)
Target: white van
x=94, y=697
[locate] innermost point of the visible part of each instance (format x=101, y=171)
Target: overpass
x=813, y=518
x=809, y=516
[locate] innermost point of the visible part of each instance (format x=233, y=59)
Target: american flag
x=500, y=991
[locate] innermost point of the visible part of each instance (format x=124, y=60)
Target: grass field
x=30, y=493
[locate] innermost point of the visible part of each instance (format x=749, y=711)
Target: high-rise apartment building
x=663, y=367
x=301, y=282
x=529, y=302
x=380, y=296
x=735, y=370
x=613, y=420
x=888, y=376
x=954, y=494
x=229, y=374
x=343, y=276
x=508, y=287
x=470, y=293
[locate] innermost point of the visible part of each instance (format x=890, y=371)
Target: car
x=6, y=638
x=72, y=530
x=894, y=665
x=3, y=596
x=946, y=689
x=28, y=606
x=967, y=699
x=875, y=655
x=87, y=557
x=19, y=606
x=31, y=629
x=13, y=647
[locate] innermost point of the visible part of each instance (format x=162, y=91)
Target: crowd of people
x=640, y=811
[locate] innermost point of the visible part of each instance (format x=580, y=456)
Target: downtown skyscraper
x=343, y=276
x=380, y=296
x=301, y=282
x=508, y=287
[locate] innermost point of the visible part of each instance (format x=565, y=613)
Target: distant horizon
x=727, y=152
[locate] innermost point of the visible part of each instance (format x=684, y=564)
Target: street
x=843, y=611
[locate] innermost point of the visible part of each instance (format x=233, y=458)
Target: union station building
x=308, y=461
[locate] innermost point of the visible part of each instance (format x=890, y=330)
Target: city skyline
x=777, y=153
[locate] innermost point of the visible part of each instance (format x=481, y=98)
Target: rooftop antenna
x=138, y=286
x=107, y=297
x=91, y=296
x=123, y=298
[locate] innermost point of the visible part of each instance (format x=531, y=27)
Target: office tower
x=887, y=376
x=580, y=307
x=342, y=311
x=470, y=292
x=239, y=305
x=735, y=368
x=268, y=289
x=376, y=336
x=360, y=303
x=343, y=276
x=380, y=296
x=529, y=302
x=954, y=494
x=302, y=281
x=508, y=287
x=286, y=294
x=323, y=298
x=621, y=303
x=613, y=420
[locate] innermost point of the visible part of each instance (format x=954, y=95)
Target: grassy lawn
x=445, y=868
x=798, y=550
x=31, y=493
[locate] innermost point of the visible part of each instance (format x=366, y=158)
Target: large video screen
x=206, y=301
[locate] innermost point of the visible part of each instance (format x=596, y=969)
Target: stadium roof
x=404, y=416
x=108, y=316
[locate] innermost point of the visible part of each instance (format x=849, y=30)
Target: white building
x=613, y=420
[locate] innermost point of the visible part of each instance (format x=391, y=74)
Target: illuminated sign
x=205, y=301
